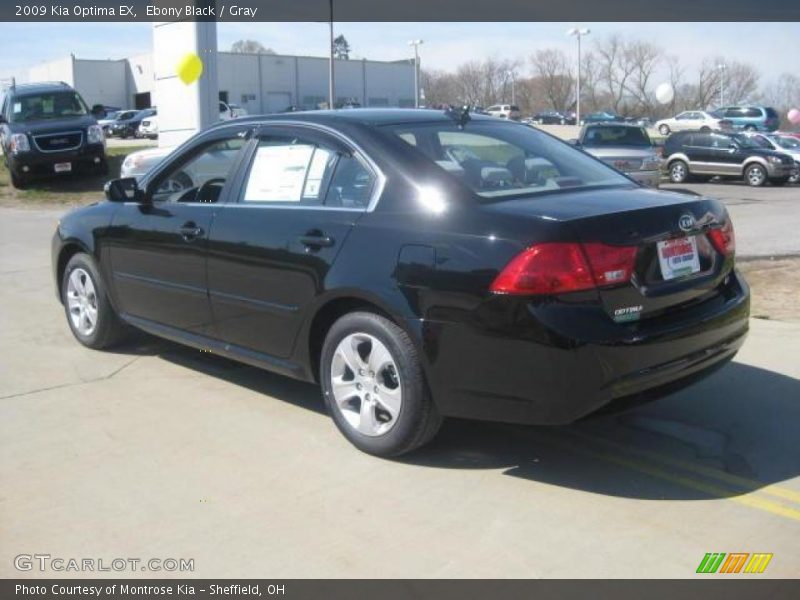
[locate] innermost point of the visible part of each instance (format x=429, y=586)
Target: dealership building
x=260, y=83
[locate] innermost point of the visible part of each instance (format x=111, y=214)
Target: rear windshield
x=53, y=105
x=616, y=136
x=503, y=160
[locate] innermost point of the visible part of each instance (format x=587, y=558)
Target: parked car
x=535, y=285
x=553, y=117
x=127, y=123
x=137, y=163
x=504, y=111
x=750, y=118
x=107, y=119
x=230, y=111
x=148, y=128
x=702, y=155
x=688, y=120
x=47, y=129
x=602, y=117
x=626, y=147
x=782, y=143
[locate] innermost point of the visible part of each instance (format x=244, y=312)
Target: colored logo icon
x=734, y=562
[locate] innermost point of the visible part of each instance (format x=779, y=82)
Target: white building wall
x=238, y=76
x=140, y=77
x=101, y=81
x=54, y=70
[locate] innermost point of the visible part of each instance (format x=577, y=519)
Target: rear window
x=615, y=136
x=771, y=113
x=53, y=105
x=501, y=160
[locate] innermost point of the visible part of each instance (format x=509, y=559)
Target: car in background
x=504, y=111
x=107, y=118
x=702, y=155
x=138, y=163
x=553, y=117
x=688, y=120
x=781, y=143
x=148, y=128
x=442, y=265
x=47, y=129
x=750, y=118
x=625, y=147
x=602, y=117
x=127, y=123
x=230, y=111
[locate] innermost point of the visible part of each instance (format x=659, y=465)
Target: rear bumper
x=553, y=364
x=780, y=171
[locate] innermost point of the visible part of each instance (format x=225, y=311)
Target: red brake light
x=554, y=268
x=723, y=239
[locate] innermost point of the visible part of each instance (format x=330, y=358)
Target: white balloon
x=665, y=93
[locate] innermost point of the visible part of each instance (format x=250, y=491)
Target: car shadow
x=80, y=182
x=732, y=433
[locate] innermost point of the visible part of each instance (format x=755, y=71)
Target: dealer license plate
x=678, y=257
x=62, y=167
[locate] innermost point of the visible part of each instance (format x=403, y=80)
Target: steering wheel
x=205, y=190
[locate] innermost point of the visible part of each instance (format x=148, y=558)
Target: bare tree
x=783, y=94
x=741, y=83
x=616, y=67
x=591, y=96
x=644, y=59
x=555, y=76
x=250, y=47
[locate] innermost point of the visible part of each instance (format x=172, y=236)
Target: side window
x=351, y=184
x=719, y=142
x=753, y=112
x=201, y=178
x=702, y=140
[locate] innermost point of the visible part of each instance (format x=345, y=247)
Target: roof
x=38, y=87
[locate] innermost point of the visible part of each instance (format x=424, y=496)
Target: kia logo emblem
x=686, y=222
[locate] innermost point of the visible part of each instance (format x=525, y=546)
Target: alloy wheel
x=82, y=302
x=755, y=176
x=678, y=173
x=365, y=383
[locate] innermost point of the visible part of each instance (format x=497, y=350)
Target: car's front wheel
x=663, y=129
x=374, y=386
x=678, y=172
x=89, y=313
x=755, y=175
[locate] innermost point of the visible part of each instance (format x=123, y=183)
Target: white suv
x=504, y=111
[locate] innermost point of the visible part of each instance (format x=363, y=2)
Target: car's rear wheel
x=374, y=386
x=663, y=129
x=678, y=172
x=18, y=180
x=755, y=175
x=89, y=313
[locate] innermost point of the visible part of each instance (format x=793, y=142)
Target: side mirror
x=123, y=190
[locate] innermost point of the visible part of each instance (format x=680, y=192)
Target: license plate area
x=678, y=257
x=64, y=167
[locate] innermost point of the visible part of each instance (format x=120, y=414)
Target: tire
x=678, y=172
x=663, y=129
x=18, y=181
x=779, y=182
x=755, y=175
x=402, y=417
x=81, y=273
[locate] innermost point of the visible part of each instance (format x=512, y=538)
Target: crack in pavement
x=74, y=383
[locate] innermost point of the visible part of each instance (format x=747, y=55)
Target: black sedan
x=554, y=117
x=416, y=264
x=127, y=123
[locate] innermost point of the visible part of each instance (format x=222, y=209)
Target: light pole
x=578, y=33
x=722, y=67
x=416, y=44
x=513, y=87
x=330, y=59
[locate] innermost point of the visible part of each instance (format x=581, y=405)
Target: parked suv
x=127, y=123
x=504, y=111
x=702, y=155
x=750, y=118
x=626, y=147
x=46, y=128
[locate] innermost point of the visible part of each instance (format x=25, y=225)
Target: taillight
x=555, y=268
x=723, y=239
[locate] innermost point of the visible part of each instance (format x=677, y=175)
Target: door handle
x=189, y=231
x=316, y=240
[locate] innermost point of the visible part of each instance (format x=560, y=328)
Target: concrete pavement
x=161, y=451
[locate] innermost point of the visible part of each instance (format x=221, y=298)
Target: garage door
x=278, y=101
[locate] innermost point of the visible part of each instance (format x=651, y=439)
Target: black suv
x=701, y=155
x=46, y=128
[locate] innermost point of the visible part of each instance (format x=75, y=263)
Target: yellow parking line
x=743, y=482
x=688, y=482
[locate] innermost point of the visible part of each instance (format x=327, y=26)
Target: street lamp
x=578, y=33
x=416, y=44
x=330, y=58
x=722, y=67
x=513, y=87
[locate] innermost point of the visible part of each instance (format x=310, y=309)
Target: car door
x=728, y=155
x=270, y=250
x=158, y=247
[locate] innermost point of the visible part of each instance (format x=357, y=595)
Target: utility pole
x=416, y=44
x=722, y=67
x=330, y=60
x=578, y=33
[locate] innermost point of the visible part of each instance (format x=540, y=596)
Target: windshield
x=616, y=136
x=53, y=105
x=499, y=160
x=788, y=143
x=124, y=116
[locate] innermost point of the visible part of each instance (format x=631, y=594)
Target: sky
x=773, y=48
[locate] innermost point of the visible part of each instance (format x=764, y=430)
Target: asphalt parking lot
x=156, y=450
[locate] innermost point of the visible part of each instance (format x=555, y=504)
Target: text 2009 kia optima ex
x=417, y=264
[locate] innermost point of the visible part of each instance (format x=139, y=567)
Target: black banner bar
x=394, y=10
